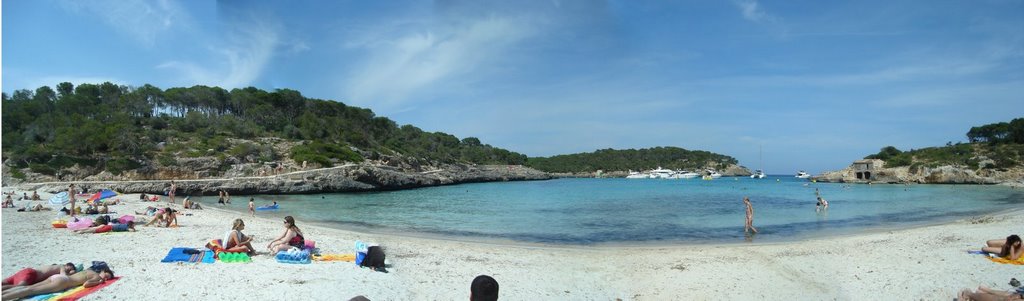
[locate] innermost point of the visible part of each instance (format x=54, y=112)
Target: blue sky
x=816, y=83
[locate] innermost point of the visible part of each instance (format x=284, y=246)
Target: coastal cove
x=915, y=263
x=651, y=212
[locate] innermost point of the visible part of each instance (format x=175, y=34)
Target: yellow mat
x=1019, y=261
x=335, y=257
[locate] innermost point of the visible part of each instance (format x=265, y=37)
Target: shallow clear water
x=587, y=211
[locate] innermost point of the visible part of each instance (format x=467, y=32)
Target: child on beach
x=252, y=207
x=749, y=226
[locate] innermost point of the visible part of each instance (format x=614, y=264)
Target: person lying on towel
x=61, y=282
x=30, y=276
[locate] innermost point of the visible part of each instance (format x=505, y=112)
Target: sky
x=805, y=85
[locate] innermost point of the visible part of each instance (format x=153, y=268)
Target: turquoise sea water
x=589, y=211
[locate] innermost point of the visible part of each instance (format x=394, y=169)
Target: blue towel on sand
x=208, y=257
x=178, y=255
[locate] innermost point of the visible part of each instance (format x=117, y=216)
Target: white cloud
x=402, y=67
x=245, y=52
x=752, y=11
x=144, y=21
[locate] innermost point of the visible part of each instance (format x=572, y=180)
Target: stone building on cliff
x=864, y=169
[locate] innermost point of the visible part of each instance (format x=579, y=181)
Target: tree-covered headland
x=991, y=146
x=116, y=128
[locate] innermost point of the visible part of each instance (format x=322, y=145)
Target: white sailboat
x=759, y=174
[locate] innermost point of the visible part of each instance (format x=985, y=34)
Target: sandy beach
x=926, y=263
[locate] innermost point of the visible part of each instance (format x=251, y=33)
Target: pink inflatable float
x=82, y=223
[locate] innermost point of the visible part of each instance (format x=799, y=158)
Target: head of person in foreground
x=484, y=288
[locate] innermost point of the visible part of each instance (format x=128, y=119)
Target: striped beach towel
x=74, y=293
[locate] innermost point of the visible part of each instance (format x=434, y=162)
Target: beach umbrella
x=59, y=200
x=102, y=194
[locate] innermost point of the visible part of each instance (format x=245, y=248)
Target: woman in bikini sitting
x=1009, y=248
x=236, y=241
x=165, y=216
x=292, y=237
x=60, y=282
x=30, y=276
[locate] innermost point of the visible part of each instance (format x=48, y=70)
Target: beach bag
x=374, y=259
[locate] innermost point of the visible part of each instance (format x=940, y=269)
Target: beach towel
x=336, y=257
x=208, y=257
x=178, y=255
x=1019, y=261
x=74, y=293
x=215, y=246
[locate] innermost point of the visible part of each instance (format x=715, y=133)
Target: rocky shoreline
x=946, y=174
x=347, y=178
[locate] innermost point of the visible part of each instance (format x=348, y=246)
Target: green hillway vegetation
x=635, y=159
x=1002, y=142
x=116, y=128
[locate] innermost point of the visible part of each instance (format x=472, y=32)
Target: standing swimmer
x=252, y=207
x=749, y=226
x=170, y=193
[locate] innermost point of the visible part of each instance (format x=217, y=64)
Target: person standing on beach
x=71, y=196
x=749, y=226
x=252, y=207
x=170, y=193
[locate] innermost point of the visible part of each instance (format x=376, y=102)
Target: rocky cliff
x=348, y=178
x=946, y=174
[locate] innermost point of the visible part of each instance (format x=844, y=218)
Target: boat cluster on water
x=707, y=174
x=661, y=173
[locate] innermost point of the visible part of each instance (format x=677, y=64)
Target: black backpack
x=374, y=259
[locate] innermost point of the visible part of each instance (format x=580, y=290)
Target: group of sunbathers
x=1010, y=248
